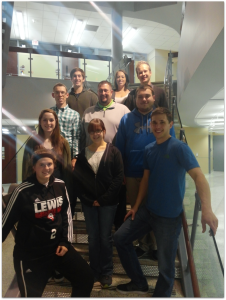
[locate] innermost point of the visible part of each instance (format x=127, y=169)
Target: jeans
x=166, y=231
x=99, y=221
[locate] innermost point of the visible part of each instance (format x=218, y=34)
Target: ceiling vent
x=91, y=28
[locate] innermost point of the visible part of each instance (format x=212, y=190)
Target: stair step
x=148, y=266
x=63, y=289
x=83, y=249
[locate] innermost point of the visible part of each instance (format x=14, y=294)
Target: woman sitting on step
x=44, y=233
x=99, y=176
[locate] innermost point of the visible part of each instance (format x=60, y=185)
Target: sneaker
x=130, y=288
x=106, y=281
x=58, y=277
x=140, y=253
x=96, y=282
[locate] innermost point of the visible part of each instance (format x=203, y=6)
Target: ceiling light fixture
x=79, y=27
x=128, y=35
x=71, y=31
x=69, y=50
x=24, y=128
x=20, y=22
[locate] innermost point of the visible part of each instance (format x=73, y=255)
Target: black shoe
x=155, y=254
x=140, y=253
x=58, y=277
x=106, y=281
x=131, y=288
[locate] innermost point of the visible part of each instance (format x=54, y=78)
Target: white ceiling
x=50, y=23
x=211, y=115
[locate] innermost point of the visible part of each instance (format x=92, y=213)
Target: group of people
x=107, y=149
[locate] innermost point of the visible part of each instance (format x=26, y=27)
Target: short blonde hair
x=142, y=62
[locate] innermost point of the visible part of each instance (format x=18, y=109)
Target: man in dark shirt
x=79, y=98
x=143, y=71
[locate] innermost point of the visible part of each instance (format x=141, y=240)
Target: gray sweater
x=111, y=118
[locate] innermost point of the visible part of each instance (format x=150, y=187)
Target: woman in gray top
x=98, y=178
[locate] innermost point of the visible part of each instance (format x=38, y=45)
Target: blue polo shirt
x=168, y=163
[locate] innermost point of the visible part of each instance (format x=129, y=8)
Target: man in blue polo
x=166, y=162
x=134, y=134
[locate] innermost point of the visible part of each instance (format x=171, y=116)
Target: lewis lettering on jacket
x=44, y=208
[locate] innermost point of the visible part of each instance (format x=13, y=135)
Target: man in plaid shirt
x=69, y=120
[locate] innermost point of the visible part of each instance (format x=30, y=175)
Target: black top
x=103, y=186
x=160, y=98
x=44, y=218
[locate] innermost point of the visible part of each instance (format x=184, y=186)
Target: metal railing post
x=197, y=208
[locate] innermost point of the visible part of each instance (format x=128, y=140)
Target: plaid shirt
x=70, y=127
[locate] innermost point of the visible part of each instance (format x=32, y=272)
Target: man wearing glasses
x=107, y=110
x=69, y=120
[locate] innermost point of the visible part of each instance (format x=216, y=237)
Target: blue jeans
x=166, y=231
x=99, y=221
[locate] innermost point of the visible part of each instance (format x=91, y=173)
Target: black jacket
x=44, y=218
x=105, y=185
x=160, y=98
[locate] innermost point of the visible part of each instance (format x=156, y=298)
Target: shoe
x=58, y=277
x=140, y=253
x=155, y=254
x=130, y=288
x=105, y=281
x=96, y=282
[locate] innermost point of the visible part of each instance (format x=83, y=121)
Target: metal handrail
x=191, y=263
x=194, y=226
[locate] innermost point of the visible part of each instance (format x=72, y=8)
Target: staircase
x=80, y=243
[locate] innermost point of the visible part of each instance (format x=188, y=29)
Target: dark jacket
x=80, y=102
x=103, y=186
x=27, y=169
x=44, y=219
x=160, y=98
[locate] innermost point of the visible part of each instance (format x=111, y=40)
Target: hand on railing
x=208, y=217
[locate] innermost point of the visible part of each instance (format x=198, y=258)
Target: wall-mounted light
x=20, y=23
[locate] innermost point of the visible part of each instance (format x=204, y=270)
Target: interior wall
x=161, y=57
x=20, y=139
x=197, y=139
x=34, y=94
x=151, y=61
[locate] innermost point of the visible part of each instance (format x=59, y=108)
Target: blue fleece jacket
x=134, y=134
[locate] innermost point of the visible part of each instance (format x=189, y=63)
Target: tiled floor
x=210, y=278
x=207, y=267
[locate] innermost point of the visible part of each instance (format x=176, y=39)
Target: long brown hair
x=127, y=80
x=56, y=139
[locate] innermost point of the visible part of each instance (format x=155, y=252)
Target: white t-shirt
x=121, y=99
x=94, y=158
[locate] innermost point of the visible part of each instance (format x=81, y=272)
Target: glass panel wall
x=45, y=66
x=23, y=66
x=96, y=70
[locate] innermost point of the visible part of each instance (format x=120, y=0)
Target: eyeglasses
x=97, y=132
